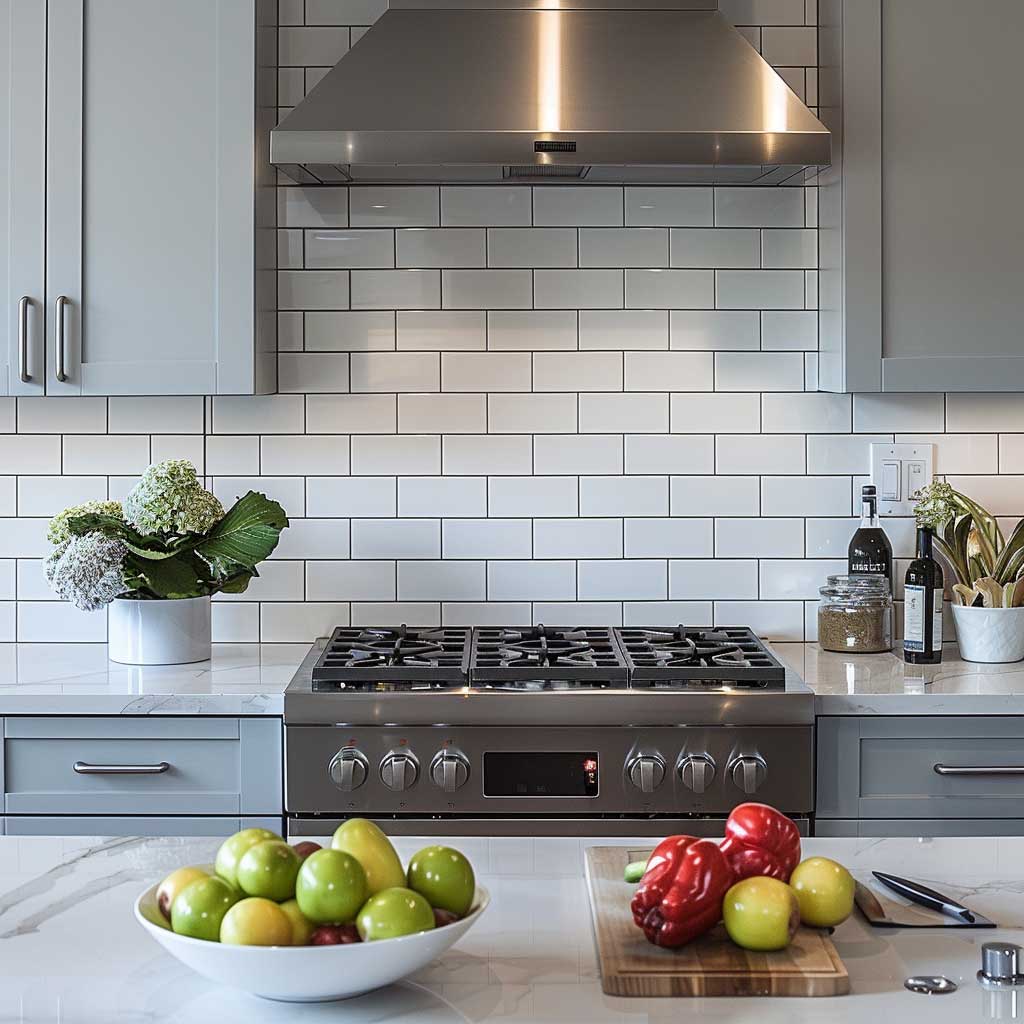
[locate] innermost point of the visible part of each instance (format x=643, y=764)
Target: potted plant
x=988, y=595
x=157, y=558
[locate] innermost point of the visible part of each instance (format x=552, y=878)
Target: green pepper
x=635, y=871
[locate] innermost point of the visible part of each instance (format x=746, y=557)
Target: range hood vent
x=553, y=90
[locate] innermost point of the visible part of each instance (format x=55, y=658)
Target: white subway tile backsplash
x=351, y=414
x=597, y=613
x=396, y=289
x=716, y=247
x=639, y=413
x=635, y=579
x=389, y=372
x=351, y=496
x=970, y=453
x=788, y=579
x=104, y=453
x=758, y=207
x=670, y=453
x=565, y=454
x=277, y=581
x=577, y=538
x=314, y=538
x=623, y=247
x=485, y=371
x=481, y=613
x=759, y=371
x=442, y=497
x=312, y=207
x=415, y=613
x=670, y=289
x=789, y=330
x=487, y=289
x=669, y=371
x=394, y=206
x=764, y=12
x=759, y=289
x=670, y=538
x=349, y=249
x=304, y=455
x=401, y=455
x=714, y=495
x=151, y=415
x=30, y=453
x=522, y=413
x=351, y=581
x=576, y=289
x=295, y=623
x=761, y=453
x=534, y=580
x=442, y=414
x=539, y=497
x=718, y=414
x=714, y=329
x=898, y=412
x=806, y=496
x=532, y=247
x=484, y=454
x=646, y=613
x=178, y=446
x=531, y=330
x=290, y=491
x=24, y=538
x=349, y=331
x=759, y=538
x=586, y=371
x=486, y=206
x=63, y=416
x=1001, y=495
x=300, y=372
x=581, y=206
x=619, y=329
x=841, y=453
x=790, y=248
x=487, y=538
x=313, y=289
x=668, y=206
x=974, y=413
x=789, y=46
x=619, y=496
x=317, y=47
x=48, y=495
x=396, y=538
x=711, y=579
x=235, y=623
x=40, y=621
x=774, y=620
x=441, y=247
x=444, y=581
x=434, y=330
x=346, y=12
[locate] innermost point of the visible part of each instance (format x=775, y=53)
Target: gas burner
x=723, y=657
x=546, y=658
x=377, y=658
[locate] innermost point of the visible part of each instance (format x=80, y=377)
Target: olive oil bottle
x=922, y=626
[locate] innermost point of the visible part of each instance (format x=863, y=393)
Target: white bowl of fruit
x=305, y=924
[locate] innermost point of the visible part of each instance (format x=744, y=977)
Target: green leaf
x=170, y=578
x=245, y=536
x=237, y=584
x=1013, y=546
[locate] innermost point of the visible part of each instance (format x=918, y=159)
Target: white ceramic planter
x=159, y=632
x=990, y=635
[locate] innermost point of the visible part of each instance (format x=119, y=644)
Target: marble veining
x=71, y=952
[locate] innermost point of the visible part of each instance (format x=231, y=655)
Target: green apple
x=199, y=908
x=368, y=844
x=173, y=884
x=231, y=850
x=824, y=890
x=256, y=922
x=302, y=927
x=761, y=914
x=393, y=912
x=269, y=869
x=331, y=887
x=445, y=877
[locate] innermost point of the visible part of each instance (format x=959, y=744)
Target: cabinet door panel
x=22, y=202
x=151, y=228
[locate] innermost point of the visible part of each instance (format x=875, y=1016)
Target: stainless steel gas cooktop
x=543, y=729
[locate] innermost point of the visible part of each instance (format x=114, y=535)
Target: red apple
x=306, y=848
x=334, y=935
x=443, y=917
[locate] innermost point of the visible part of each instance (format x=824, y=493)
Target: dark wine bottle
x=870, y=551
x=922, y=625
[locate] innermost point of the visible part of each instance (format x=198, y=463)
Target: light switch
x=916, y=476
x=890, y=488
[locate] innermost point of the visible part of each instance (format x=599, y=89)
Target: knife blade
x=925, y=897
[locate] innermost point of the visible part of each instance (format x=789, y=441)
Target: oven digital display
x=540, y=773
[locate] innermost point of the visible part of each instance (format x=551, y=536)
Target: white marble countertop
x=78, y=679
x=71, y=952
x=884, y=684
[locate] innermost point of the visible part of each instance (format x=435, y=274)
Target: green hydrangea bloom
x=936, y=505
x=169, y=499
x=58, y=532
x=88, y=570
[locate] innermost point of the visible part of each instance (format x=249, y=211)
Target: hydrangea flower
x=58, y=531
x=170, y=499
x=936, y=505
x=87, y=570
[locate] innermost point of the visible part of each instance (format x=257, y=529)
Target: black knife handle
x=921, y=894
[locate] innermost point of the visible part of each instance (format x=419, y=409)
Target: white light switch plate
x=898, y=471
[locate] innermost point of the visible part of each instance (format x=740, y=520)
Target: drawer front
x=142, y=825
x=142, y=766
x=923, y=768
x=917, y=828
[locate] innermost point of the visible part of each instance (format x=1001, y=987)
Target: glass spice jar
x=855, y=614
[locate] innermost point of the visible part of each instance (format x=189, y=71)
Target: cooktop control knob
x=748, y=772
x=449, y=770
x=696, y=772
x=399, y=770
x=348, y=769
x=646, y=772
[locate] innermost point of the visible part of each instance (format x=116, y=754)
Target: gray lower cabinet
x=140, y=775
x=905, y=776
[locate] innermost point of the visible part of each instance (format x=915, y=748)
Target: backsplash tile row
x=575, y=403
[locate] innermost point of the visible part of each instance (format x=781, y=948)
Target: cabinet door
x=920, y=226
x=22, y=204
x=151, y=229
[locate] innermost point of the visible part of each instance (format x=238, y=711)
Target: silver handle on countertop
x=83, y=768
x=23, y=307
x=979, y=769
x=62, y=301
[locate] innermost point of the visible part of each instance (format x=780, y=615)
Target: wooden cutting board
x=709, y=966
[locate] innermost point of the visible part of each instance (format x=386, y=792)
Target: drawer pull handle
x=976, y=769
x=83, y=768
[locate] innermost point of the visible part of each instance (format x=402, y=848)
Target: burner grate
x=681, y=657
x=547, y=657
x=381, y=657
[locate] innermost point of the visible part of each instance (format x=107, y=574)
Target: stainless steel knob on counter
x=696, y=772
x=449, y=770
x=748, y=772
x=399, y=770
x=1000, y=964
x=646, y=772
x=348, y=769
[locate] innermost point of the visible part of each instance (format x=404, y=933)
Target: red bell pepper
x=680, y=895
x=761, y=841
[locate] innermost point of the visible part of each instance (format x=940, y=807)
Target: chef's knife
x=925, y=897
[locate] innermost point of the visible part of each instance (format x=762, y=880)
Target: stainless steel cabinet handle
x=979, y=769
x=23, y=307
x=83, y=768
x=62, y=301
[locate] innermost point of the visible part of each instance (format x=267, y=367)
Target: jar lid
x=856, y=585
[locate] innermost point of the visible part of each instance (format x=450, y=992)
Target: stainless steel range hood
x=551, y=90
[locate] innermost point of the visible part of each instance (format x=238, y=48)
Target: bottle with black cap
x=870, y=552
x=922, y=624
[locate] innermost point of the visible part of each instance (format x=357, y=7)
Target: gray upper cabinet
x=22, y=198
x=159, y=197
x=922, y=266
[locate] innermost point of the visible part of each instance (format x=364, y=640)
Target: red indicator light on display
x=590, y=765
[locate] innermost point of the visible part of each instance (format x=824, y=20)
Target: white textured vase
x=159, y=632
x=990, y=635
